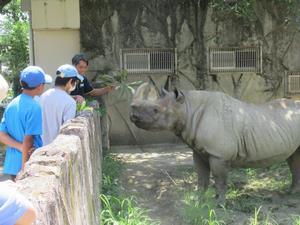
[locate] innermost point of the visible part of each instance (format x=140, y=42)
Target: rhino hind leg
x=294, y=165
x=203, y=171
x=219, y=170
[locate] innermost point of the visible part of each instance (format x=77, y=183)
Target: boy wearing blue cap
x=21, y=125
x=57, y=105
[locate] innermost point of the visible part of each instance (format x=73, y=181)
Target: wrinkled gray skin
x=224, y=132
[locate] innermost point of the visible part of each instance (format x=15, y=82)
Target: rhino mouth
x=137, y=121
x=134, y=118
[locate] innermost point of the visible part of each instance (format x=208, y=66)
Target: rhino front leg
x=294, y=164
x=219, y=170
x=202, y=169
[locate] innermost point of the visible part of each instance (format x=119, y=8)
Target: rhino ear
x=179, y=96
x=163, y=92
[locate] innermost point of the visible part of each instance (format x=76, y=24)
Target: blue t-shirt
x=22, y=116
x=13, y=205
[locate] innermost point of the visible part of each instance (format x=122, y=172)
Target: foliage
x=260, y=219
x=241, y=8
x=122, y=211
x=198, y=208
x=14, y=42
x=85, y=105
x=289, y=9
x=111, y=168
x=9, y=97
x=296, y=219
x=116, y=209
x=119, y=81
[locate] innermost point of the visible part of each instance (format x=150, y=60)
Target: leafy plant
x=116, y=209
x=198, y=208
x=119, y=80
x=122, y=211
x=240, y=8
x=296, y=219
x=245, y=9
x=260, y=219
x=111, y=170
x=83, y=106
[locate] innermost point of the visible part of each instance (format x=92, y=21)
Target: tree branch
x=3, y=3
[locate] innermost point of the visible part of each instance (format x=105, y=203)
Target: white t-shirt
x=57, y=107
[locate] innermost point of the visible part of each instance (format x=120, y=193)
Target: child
x=21, y=125
x=57, y=105
x=14, y=207
x=84, y=88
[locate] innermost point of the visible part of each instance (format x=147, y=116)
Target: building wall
x=53, y=48
x=55, y=32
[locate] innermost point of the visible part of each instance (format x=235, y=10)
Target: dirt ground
x=159, y=176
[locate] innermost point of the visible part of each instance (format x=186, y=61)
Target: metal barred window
x=247, y=59
x=158, y=61
x=292, y=83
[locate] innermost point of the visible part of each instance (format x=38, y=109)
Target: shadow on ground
x=159, y=176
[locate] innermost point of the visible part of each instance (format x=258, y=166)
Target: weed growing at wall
x=116, y=208
x=88, y=105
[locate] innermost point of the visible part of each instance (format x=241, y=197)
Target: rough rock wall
x=268, y=25
x=191, y=27
x=63, y=179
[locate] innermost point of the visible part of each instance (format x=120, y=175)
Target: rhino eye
x=155, y=110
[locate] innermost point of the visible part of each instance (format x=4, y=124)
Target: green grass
x=296, y=219
x=118, y=209
x=198, y=208
x=123, y=211
x=254, y=196
x=111, y=168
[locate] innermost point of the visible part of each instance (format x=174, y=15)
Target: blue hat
x=35, y=76
x=68, y=71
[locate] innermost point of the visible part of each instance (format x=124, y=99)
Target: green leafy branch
x=119, y=80
x=85, y=106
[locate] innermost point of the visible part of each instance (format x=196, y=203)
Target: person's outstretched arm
x=100, y=91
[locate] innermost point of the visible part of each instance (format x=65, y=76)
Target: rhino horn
x=151, y=81
x=167, y=83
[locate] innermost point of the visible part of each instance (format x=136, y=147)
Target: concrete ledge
x=63, y=179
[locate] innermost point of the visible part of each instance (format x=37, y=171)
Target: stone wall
x=63, y=179
x=192, y=27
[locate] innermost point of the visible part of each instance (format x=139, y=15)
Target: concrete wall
x=53, y=48
x=63, y=179
x=55, y=32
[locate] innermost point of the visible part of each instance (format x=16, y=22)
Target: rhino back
x=271, y=132
x=245, y=134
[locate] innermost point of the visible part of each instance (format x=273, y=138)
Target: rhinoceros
x=222, y=131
